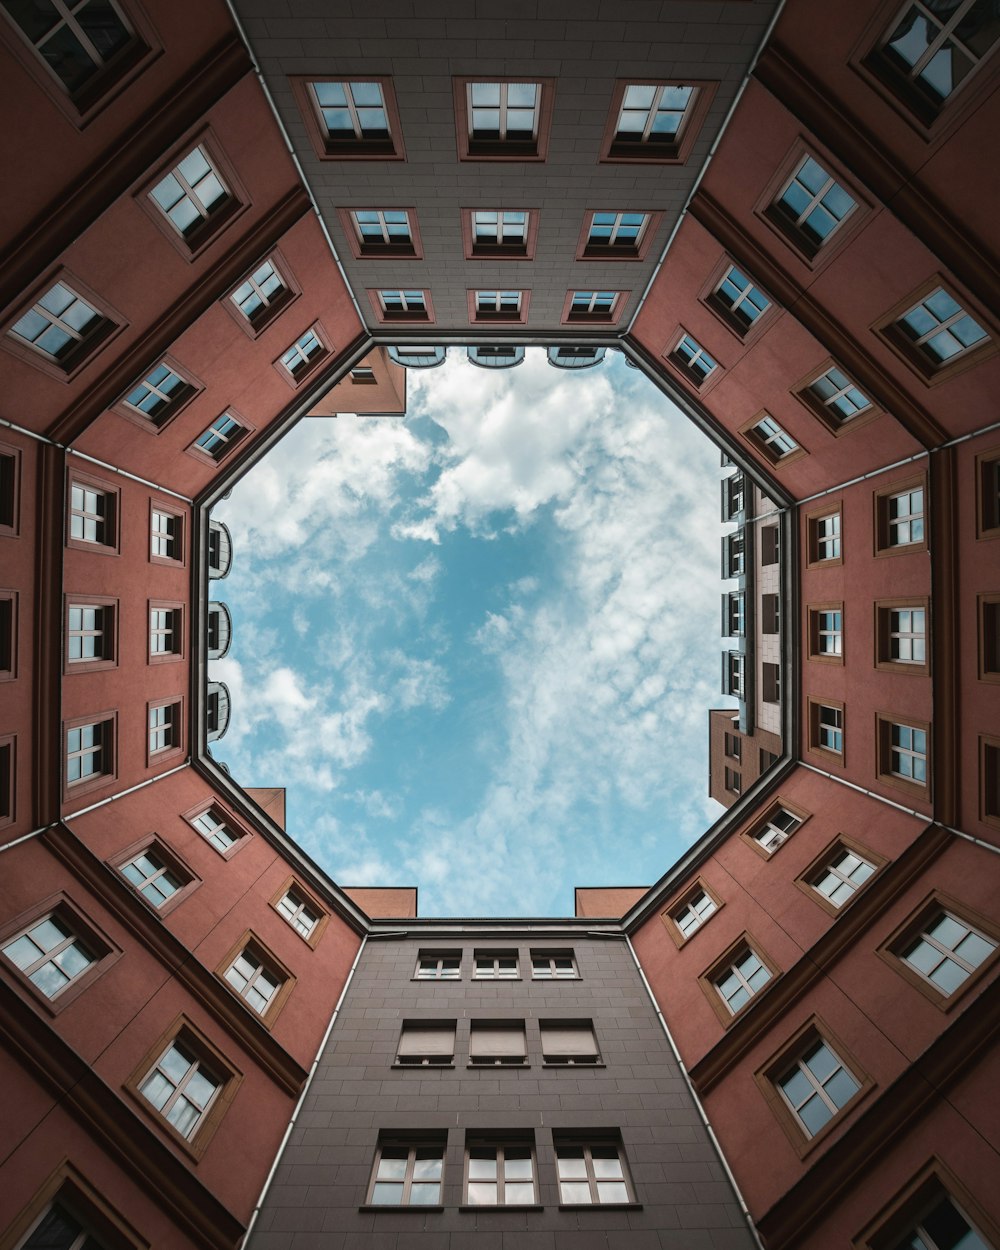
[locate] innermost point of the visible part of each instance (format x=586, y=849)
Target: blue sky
x=478, y=645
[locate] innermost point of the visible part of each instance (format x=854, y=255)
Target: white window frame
x=162, y=871
x=693, y=358
x=696, y=910
x=165, y=534
x=249, y=982
x=830, y=728
x=736, y=969
x=70, y=942
x=190, y=194
x=165, y=399
x=164, y=727
x=902, y=523
x=102, y=633
x=94, y=756
x=830, y=633
x=775, y=442
x=593, y=1181
x=387, y=239
x=432, y=966
x=502, y=301
x=178, y=1087
x=777, y=829
x=504, y=217
x=487, y=136
x=617, y=226
x=817, y=1087
x=742, y=306
x=216, y=832
x=224, y=432
x=845, y=870
x=627, y=136
x=904, y=640
x=77, y=335
x=600, y=302
x=828, y=536
x=816, y=200
x=946, y=954
x=352, y=109
x=500, y=1182
x=303, y=353
x=256, y=285
x=922, y=341
x=402, y=301
x=840, y=390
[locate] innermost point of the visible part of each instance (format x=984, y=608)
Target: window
x=159, y=396
x=569, y=1042
x=732, y=780
x=166, y=635
x=301, y=914
x=193, y=195
x=842, y=876
x=945, y=951
x=363, y=374
x=439, y=966
x=834, y=398
x=769, y=544
x=500, y=1175
x=600, y=306
x=382, y=232
x=8, y=634
x=936, y=331
x=404, y=305
x=221, y=437
x=770, y=614
x=407, y=1175
x=61, y=327
x=824, y=538
x=553, y=966
x=496, y=966
x=942, y=1227
x=776, y=829
x=498, y=305
x=91, y=634
x=900, y=518
x=507, y=120
x=617, y=235
x=10, y=486
x=7, y=779
x=767, y=759
x=90, y=752
x=770, y=682
x=733, y=746
x=166, y=536
x=591, y=1173
x=734, y=673
x=988, y=492
x=816, y=1086
x=744, y=975
x=693, y=911
x=164, y=727
x=770, y=439
x=304, y=354
x=351, y=120
x=59, y=1229
x=740, y=302
x=826, y=634
x=501, y=234
x=261, y=296
x=903, y=752
x=50, y=954
x=151, y=876
x=497, y=1044
x=254, y=979
x=693, y=359
x=901, y=636
x=655, y=121
x=826, y=727
x=735, y=614
x=811, y=206
x=929, y=52
x=216, y=832
x=989, y=637
x=182, y=1088
x=93, y=515
x=734, y=492
x=80, y=42
x=428, y=1043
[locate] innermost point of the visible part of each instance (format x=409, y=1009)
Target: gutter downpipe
x=694, y=1097
x=302, y=1097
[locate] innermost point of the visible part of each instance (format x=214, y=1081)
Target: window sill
x=423, y=1067
x=600, y=1206
x=397, y=1210
x=498, y=1067
x=573, y=1067
x=510, y=1206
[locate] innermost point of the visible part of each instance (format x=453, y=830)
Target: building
x=782, y=215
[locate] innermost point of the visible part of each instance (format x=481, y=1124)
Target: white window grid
x=58, y=323
x=733, y=780
x=384, y=226
x=906, y=517
x=402, y=301
x=947, y=951
x=407, y=1176
x=351, y=110
x=829, y=632
x=500, y=226
x=838, y=394
x=163, y=727
x=591, y=1175
x=815, y=203
x=151, y=877
x=363, y=373
x=498, y=301
x=830, y=728
x=556, y=967
x=594, y=302
x=816, y=1087
x=215, y=830
x=501, y=1176
x=300, y=915
x=690, y=353
x=940, y=328
x=692, y=914
x=653, y=115
x=264, y=288
x=959, y=1233
x=253, y=981
x=908, y=753
x=191, y=193
x=79, y=38
x=735, y=669
x=739, y=295
x=621, y=230
x=742, y=979
x=842, y=877
x=220, y=435
x=735, y=549
x=908, y=635
x=930, y=50
x=87, y=750
x=499, y=967
x=164, y=627
x=88, y=632
x=777, y=830
x=50, y=955
x=165, y=534
x=503, y=111
x=302, y=352
x=157, y=392
x=91, y=514
x=737, y=614
x=439, y=968
x=775, y=441
x=181, y=1088
x=828, y=537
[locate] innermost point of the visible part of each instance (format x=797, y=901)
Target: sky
x=477, y=645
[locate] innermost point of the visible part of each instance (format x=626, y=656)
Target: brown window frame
x=883, y=635
x=67, y=1187
x=328, y=149
x=471, y=149
x=988, y=618
x=9, y=633
x=614, y=151
x=8, y=780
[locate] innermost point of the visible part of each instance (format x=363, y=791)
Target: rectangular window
x=770, y=682
x=402, y=302
x=502, y=303
x=300, y=914
x=304, y=354
x=262, y=295
x=182, y=1087
x=84, y=44
x=735, y=619
x=776, y=829
x=363, y=374
x=989, y=637
x=62, y=327
x=166, y=637
x=151, y=876
x=811, y=206
x=733, y=550
x=501, y=234
x=166, y=530
x=8, y=634
x=216, y=832
x=385, y=232
x=767, y=759
x=500, y=1175
x=652, y=120
x=7, y=780
x=439, y=966
x=221, y=437
x=734, y=673
x=10, y=484
x=693, y=359
x=834, y=398
x=733, y=746
x=824, y=538
x=937, y=330
x=901, y=636
x=732, y=780
x=254, y=980
x=407, y=1175
x=617, y=235
x=770, y=439
x=193, y=195
x=693, y=912
x=945, y=951
x=744, y=975
x=164, y=727
x=841, y=876
x=90, y=634
x=769, y=544
x=740, y=302
x=900, y=518
x=988, y=491
x=497, y=1044
x=93, y=515
x=734, y=493
x=770, y=614
x=506, y=120
x=591, y=1173
x=428, y=1043
x=354, y=119
x=595, y=305
x=826, y=728
x=903, y=752
x=50, y=954
x=89, y=752
x=496, y=966
x=160, y=395
x=816, y=1086
x=553, y=966
x=569, y=1042
x=826, y=634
